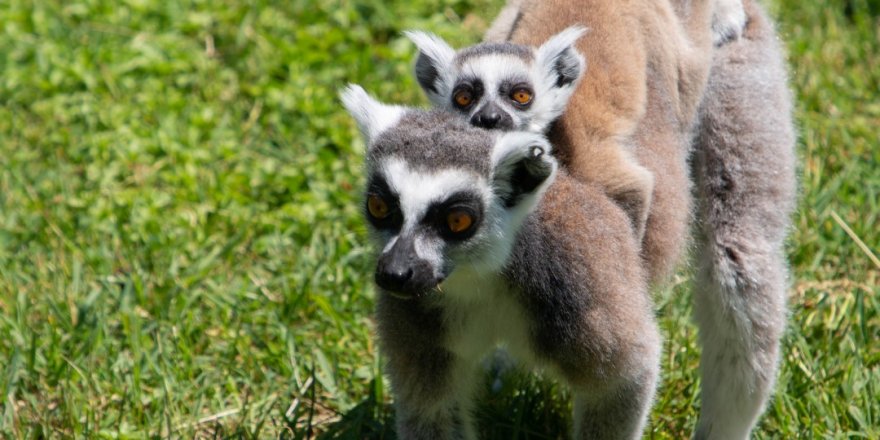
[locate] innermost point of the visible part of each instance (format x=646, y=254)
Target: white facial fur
x=417, y=191
x=442, y=73
x=487, y=251
x=493, y=70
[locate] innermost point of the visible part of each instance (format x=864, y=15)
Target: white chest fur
x=482, y=313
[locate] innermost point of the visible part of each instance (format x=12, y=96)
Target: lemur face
x=501, y=85
x=442, y=195
x=495, y=91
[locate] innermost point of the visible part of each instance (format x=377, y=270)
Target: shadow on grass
x=514, y=405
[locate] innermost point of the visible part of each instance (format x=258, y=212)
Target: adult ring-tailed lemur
x=624, y=108
x=484, y=240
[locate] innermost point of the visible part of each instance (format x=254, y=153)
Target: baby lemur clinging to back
x=517, y=87
x=634, y=48
x=527, y=256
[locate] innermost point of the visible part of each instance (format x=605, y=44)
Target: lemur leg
x=744, y=165
x=728, y=18
x=504, y=23
x=612, y=367
x=433, y=387
x=728, y=21
x=632, y=188
x=618, y=413
x=430, y=412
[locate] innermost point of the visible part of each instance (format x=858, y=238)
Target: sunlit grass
x=181, y=251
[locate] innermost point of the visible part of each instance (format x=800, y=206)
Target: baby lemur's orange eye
x=378, y=207
x=521, y=96
x=459, y=221
x=463, y=98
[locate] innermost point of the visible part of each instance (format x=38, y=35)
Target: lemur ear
x=560, y=58
x=522, y=166
x=372, y=116
x=435, y=56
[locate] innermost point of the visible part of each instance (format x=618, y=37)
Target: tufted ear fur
x=559, y=57
x=522, y=167
x=435, y=59
x=560, y=68
x=372, y=116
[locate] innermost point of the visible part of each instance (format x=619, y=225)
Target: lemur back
x=647, y=70
x=486, y=242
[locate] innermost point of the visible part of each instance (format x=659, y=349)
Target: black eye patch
x=446, y=216
x=511, y=87
x=378, y=187
x=466, y=92
x=507, y=86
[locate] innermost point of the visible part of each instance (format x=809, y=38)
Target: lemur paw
x=728, y=21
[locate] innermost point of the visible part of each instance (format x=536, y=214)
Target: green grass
x=181, y=251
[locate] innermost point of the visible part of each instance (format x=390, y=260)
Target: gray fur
x=422, y=371
x=745, y=168
x=416, y=137
x=493, y=48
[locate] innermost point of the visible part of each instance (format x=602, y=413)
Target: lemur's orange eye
x=459, y=221
x=521, y=96
x=463, y=98
x=378, y=207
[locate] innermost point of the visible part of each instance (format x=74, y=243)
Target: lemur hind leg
x=728, y=21
x=744, y=165
x=592, y=323
x=620, y=413
x=433, y=387
x=613, y=399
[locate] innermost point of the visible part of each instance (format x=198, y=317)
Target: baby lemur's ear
x=560, y=59
x=435, y=58
x=372, y=116
x=521, y=166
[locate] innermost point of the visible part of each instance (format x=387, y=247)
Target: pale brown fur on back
x=647, y=63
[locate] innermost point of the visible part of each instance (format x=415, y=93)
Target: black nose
x=402, y=273
x=393, y=278
x=487, y=120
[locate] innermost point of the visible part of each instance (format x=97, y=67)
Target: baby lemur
x=484, y=241
x=630, y=124
x=636, y=48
